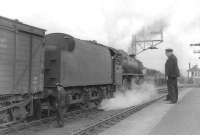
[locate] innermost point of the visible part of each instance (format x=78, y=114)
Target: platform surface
x=182, y=119
x=162, y=118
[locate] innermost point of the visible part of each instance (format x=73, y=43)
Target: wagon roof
x=19, y=22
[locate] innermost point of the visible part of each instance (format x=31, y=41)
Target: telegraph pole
x=196, y=51
x=189, y=71
x=133, y=45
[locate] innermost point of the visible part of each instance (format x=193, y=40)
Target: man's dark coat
x=171, y=67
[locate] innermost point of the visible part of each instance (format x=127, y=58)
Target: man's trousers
x=172, y=89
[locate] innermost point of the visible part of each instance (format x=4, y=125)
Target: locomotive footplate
x=132, y=75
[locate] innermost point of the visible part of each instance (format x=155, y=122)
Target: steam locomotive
x=31, y=63
x=87, y=70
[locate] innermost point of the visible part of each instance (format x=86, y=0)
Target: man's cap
x=169, y=50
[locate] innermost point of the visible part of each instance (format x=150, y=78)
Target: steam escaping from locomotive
x=123, y=99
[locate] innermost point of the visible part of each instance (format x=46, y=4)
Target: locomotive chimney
x=132, y=56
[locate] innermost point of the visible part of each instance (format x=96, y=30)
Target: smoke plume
x=152, y=30
x=123, y=99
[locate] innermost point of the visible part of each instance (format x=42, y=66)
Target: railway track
x=101, y=125
x=44, y=121
x=92, y=128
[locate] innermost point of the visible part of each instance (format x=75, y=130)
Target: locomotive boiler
x=132, y=70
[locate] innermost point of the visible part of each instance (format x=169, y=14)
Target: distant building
x=194, y=74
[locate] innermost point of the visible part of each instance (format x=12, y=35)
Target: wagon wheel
x=5, y=116
x=19, y=113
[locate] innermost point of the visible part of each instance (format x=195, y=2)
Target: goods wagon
x=21, y=64
x=86, y=69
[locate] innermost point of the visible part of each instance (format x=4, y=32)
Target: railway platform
x=162, y=118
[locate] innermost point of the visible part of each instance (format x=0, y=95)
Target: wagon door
x=7, y=53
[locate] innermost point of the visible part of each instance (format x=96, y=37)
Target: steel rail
x=108, y=122
x=20, y=126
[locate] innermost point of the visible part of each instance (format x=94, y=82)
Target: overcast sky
x=112, y=22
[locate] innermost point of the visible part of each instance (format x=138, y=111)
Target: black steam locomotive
x=86, y=69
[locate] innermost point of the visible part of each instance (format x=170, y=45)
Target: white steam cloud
x=123, y=99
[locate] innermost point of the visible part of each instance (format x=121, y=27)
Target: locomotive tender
x=31, y=64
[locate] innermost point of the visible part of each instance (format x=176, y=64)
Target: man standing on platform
x=60, y=104
x=172, y=73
